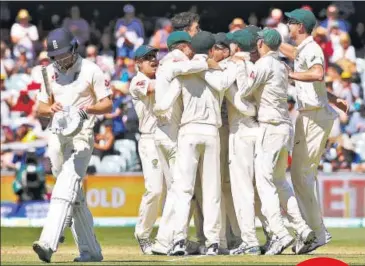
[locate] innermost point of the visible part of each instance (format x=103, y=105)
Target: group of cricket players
x=216, y=133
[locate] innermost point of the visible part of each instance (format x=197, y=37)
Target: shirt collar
x=140, y=74
x=307, y=40
x=274, y=54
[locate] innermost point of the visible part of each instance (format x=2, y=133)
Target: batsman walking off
x=75, y=93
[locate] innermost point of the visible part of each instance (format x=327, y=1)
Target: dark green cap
x=303, y=16
x=253, y=29
x=143, y=50
x=221, y=39
x=202, y=42
x=229, y=36
x=271, y=37
x=177, y=37
x=245, y=39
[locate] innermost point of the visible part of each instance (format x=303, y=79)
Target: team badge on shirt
x=252, y=75
x=141, y=83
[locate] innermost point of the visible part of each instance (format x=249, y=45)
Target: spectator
x=357, y=121
x=346, y=92
x=23, y=34
x=120, y=89
x=320, y=36
x=332, y=16
x=129, y=33
x=283, y=29
x=236, y=24
x=346, y=50
x=334, y=73
x=186, y=21
x=104, y=142
x=79, y=27
x=22, y=64
x=334, y=36
x=6, y=102
x=130, y=71
x=159, y=39
x=106, y=46
x=7, y=64
x=105, y=63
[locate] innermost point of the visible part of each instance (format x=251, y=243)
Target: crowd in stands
x=112, y=48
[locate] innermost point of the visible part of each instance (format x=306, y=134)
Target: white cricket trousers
x=311, y=133
x=198, y=147
x=229, y=219
x=272, y=148
x=242, y=172
x=70, y=158
x=153, y=180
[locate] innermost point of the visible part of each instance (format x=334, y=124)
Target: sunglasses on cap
x=150, y=56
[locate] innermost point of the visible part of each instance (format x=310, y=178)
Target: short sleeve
x=140, y=87
x=314, y=57
x=14, y=31
x=101, y=85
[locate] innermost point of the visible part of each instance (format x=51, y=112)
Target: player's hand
x=213, y=64
x=122, y=30
x=56, y=107
x=342, y=105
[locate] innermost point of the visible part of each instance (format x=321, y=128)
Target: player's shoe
x=307, y=249
x=319, y=242
x=306, y=238
x=145, y=244
x=245, y=248
x=43, y=251
x=159, y=249
x=86, y=257
x=277, y=245
x=212, y=250
x=179, y=249
x=328, y=236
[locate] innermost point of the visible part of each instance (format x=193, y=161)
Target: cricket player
x=268, y=84
x=230, y=232
x=314, y=122
x=243, y=130
x=73, y=93
x=142, y=90
x=189, y=22
x=176, y=62
x=198, y=146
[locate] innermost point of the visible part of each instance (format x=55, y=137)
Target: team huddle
x=215, y=131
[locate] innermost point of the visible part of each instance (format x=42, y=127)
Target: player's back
x=201, y=103
x=271, y=97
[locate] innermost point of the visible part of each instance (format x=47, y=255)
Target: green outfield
x=120, y=248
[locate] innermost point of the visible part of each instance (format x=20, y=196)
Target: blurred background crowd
x=110, y=42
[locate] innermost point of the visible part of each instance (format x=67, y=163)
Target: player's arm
x=242, y=106
x=169, y=99
x=46, y=107
x=315, y=73
x=248, y=82
x=338, y=102
x=288, y=50
x=185, y=68
x=102, y=92
x=221, y=80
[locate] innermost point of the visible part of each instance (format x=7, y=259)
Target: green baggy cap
x=245, y=39
x=202, y=42
x=177, y=37
x=306, y=17
x=271, y=37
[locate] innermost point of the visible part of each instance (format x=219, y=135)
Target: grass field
x=120, y=248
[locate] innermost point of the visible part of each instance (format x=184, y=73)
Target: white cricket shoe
x=43, y=251
x=213, y=250
x=179, y=249
x=306, y=238
x=245, y=248
x=328, y=236
x=159, y=249
x=145, y=244
x=277, y=245
x=87, y=257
